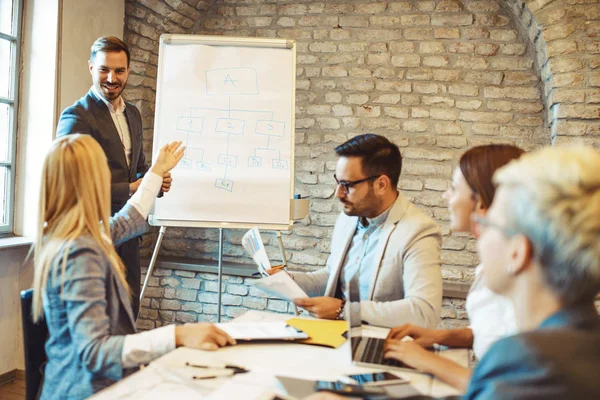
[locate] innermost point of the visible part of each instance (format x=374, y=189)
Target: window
x=10, y=40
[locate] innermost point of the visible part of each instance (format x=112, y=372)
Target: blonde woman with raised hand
x=79, y=281
x=491, y=316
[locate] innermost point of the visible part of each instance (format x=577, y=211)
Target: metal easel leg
x=220, y=274
x=161, y=234
x=284, y=260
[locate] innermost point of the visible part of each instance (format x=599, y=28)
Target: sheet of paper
x=160, y=382
x=252, y=242
x=280, y=285
x=236, y=390
x=165, y=390
x=259, y=316
x=262, y=330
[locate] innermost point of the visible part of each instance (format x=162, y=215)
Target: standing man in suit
x=380, y=236
x=117, y=126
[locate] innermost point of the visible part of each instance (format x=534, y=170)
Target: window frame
x=14, y=38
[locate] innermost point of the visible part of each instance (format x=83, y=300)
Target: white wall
x=55, y=50
x=84, y=21
x=35, y=130
x=55, y=74
x=11, y=283
x=37, y=106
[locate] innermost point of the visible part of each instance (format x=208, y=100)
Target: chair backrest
x=34, y=340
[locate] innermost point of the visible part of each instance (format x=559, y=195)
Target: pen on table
x=233, y=368
x=236, y=368
x=208, y=377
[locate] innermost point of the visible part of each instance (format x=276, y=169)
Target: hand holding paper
x=280, y=285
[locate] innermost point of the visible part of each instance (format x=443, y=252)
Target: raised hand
x=168, y=157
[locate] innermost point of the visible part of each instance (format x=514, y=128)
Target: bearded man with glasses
x=381, y=236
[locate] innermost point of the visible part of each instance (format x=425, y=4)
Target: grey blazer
x=406, y=286
x=88, y=312
x=558, y=360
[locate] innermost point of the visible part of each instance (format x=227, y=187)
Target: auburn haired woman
x=491, y=316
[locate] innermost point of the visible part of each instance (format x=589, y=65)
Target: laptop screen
x=364, y=349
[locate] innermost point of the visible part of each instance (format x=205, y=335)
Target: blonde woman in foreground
x=79, y=280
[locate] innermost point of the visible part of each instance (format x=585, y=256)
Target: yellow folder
x=322, y=332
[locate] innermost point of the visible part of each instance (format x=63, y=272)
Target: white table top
x=169, y=376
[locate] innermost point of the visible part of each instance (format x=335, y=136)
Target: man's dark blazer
x=91, y=116
x=559, y=360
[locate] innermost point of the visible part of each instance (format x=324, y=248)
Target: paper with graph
x=280, y=285
x=255, y=247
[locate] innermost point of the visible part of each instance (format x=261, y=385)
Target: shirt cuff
x=143, y=347
x=143, y=198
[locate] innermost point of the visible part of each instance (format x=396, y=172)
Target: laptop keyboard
x=373, y=352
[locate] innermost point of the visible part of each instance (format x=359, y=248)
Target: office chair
x=34, y=339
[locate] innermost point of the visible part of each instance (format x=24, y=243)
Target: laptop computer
x=366, y=351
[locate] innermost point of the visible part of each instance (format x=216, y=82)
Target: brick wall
x=564, y=34
x=436, y=77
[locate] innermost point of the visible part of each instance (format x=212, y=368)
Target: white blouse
x=492, y=316
x=143, y=347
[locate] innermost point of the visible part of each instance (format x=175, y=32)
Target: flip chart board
x=231, y=102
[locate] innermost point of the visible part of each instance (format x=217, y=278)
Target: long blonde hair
x=74, y=202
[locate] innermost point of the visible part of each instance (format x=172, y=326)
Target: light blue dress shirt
x=361, y=254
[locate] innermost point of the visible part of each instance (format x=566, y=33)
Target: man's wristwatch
x=340, y=310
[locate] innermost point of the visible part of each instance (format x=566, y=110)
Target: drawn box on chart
x=226, y=159
x=229, y=125
x=190, y=124
x=202, y=166
x=272, y=128
x=185, y=163
x=280, y=164
x=221, y=183
x=254, y=161
x=226, y=81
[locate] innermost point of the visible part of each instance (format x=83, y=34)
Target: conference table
x=169, y=376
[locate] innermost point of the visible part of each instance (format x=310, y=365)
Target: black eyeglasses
x=483, y=221
x=346, y=185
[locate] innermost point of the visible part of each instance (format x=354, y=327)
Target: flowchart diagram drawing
x=233, y=122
